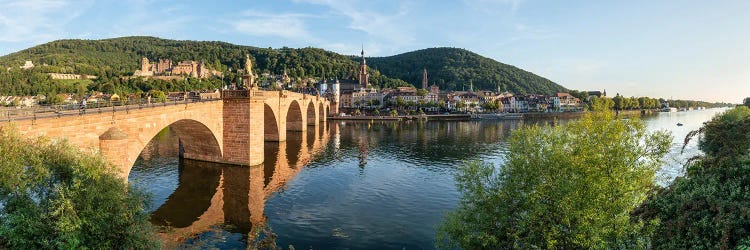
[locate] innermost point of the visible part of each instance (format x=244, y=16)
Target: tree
x=603, y=103
x=619, y=102
x=442, y=104
x=400, y=103
x=461, y=104
x=376, y=112
x=158, y=96
x=565, y=187
x=56, y=197
x=421, y=92
x=747, y=102
x=708, y=208
x=394, y=113
x=490, y=105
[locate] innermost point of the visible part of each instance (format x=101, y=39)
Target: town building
x=597, y=94
x=367, y=98
x=60, y=76
x=27, y=65
x=435, y=89
x=564, y=102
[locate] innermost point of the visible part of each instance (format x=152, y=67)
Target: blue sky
x=681, y=49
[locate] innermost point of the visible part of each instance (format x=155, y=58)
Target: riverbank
x=574, y=115
x=489, y=116
x=449, y=117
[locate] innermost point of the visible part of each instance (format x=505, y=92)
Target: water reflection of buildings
x=212, y=194
x=419, y=140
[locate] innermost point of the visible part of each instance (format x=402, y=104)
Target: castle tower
x=364, y=77
x=424, y=79
x=145, y=65
x=202, y=71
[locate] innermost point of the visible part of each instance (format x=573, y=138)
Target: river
x=344, y=185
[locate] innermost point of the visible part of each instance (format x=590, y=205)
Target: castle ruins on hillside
x=165, y=67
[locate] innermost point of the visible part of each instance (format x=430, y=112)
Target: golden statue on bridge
x=248, y=80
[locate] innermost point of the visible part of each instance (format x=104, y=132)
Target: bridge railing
x=72, y=109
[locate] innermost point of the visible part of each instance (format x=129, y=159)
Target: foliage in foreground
x=55, y=197
x=565, y=187
x=708, y=208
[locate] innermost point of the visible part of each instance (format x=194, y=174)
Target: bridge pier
x=243, y=128
x=113, y=145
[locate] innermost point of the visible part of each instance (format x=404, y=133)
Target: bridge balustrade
x=47, y=111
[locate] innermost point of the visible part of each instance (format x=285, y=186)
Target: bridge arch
x=271, y=128
x=294, y=117
x=312, y=115
x=123, y=144
x=321, y=112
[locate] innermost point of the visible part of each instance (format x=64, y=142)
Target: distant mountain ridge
x=457, y=69
x=111, y=58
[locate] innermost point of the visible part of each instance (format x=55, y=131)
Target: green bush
x=565, y=187
x=56, y=197
x=708, y=208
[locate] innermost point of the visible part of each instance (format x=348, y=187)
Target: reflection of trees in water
x=229, y=196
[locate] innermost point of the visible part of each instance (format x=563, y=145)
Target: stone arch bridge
x=231, y=130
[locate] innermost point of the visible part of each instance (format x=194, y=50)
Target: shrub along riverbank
x=589, y=184
x=54, y=196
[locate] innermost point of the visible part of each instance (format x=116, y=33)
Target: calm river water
x=345, y=185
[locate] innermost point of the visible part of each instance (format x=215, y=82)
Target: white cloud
x=384, y=25
x=36, y=20
x=285, y=25
x=139, y=19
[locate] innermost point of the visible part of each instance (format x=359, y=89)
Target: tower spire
x=364, y=81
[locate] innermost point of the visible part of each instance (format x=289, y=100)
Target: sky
x=686, y=49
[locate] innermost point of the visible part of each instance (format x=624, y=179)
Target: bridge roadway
x=231, y=130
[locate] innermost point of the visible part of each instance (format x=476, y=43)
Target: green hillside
x=112, y=58
x=457, y=69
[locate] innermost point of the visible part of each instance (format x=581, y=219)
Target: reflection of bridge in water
x=211, y=194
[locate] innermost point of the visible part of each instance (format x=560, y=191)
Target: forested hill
x=456, y=69
x=122, y=56
x=109, y=59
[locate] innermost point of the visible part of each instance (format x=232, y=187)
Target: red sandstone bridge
x=230, y=130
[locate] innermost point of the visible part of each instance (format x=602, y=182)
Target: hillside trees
x=452, y=69
x=111, y=59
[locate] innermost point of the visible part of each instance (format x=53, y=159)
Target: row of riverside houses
x=348, y=96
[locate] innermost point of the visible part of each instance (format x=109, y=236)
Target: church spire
x=363, y=55
x=364, y=80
